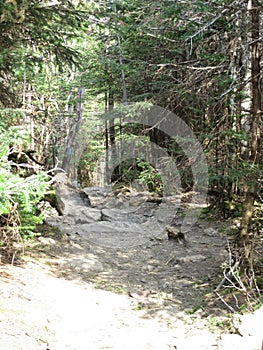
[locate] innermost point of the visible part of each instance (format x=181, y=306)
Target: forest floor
x=68, y=292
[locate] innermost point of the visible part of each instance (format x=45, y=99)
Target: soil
x=71, y=291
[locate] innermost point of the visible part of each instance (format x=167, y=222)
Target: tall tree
x=255, y=126
x=33, y=34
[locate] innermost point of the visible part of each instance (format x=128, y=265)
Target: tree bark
x=255, y=127
x=73, y=132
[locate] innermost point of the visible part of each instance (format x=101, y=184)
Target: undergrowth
x=21, y=188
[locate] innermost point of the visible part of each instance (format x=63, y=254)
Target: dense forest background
x=68, y=63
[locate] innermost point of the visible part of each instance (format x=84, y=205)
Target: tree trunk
x=106, y=139
x=255, y=128
x=73, y=132
x=111, y=120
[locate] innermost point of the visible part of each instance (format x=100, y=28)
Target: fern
x=18, y=195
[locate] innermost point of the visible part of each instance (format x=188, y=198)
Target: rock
x=46, y=240
x=97, y=195
x=69, y=197
x=79, y=215
x=52, y=221
x=88, y=215
x=85, y=198
x=59, y=221
x=109, y=227
x=210, y=231
x=121, y=215
x=138, y=199
x=47, y=209
x=113, y=234
x=146, y=209
x=166, y=213
x=192, y=258
x=175, y=234
x=114, y=215
x=60, y=179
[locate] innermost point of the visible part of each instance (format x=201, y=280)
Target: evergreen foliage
x=19, y=193
x=194, y=58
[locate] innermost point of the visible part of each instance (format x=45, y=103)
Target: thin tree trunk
x=106, y=139
x=125, y=98
x=111, y=120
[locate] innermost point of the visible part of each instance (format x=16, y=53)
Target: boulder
x=97, y=195
x=68, y=196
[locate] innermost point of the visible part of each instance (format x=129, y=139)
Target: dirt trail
x=51, y=303
x=73, y=292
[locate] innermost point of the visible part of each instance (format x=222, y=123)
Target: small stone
x=46, y=240
x=192, y=258
x=175, y=234
x=210, y=231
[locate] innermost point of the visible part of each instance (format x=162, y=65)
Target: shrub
x=19, y=194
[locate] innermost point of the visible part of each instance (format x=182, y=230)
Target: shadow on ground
x=160, y=276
